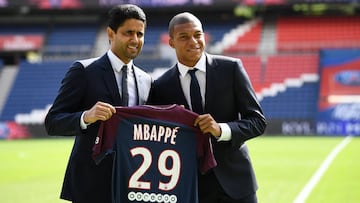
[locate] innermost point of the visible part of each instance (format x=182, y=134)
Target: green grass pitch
x=32, y=170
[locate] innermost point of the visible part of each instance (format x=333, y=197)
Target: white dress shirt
x=185, y=80
x=117, y=64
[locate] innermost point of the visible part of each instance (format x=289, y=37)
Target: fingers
x=100, y=111
x=105, y=107
x=207, y=124
x=201, y=119
x=104, y=111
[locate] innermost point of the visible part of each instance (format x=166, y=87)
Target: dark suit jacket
x=85, y=83
x=230, y=99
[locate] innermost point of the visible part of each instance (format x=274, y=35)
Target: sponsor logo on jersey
x=151, y=197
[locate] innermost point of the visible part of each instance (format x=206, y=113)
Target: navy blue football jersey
x=157, y=153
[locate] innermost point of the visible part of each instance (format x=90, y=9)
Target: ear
x=110, y=33
x=171, y=42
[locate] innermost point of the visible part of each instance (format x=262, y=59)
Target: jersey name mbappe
x=156, y=133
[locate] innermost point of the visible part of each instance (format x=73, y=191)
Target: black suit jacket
x=230, y=99
x=85, y=83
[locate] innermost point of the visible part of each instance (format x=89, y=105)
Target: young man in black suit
x=88, y=93
x=229, y=110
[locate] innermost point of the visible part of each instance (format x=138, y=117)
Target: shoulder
x=94, y=61
x=140, y=72
x=223, y=62
x=86, y=62
x=92, y=65
x=222, y=58
x=168, y=76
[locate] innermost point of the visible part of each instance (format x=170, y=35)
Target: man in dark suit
x=88, y=93
x=229, y=110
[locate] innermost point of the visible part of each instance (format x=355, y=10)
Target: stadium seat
x=74, y=40
x=35, y=87
x=313, y=33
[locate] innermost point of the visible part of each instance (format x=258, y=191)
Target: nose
x=134, y=37
x=193, y=39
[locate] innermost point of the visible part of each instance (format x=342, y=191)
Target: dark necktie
x=124, y=87
x=195, y=94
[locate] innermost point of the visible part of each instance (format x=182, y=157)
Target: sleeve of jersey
x=205, y=153
x=204, y=147
x=103, y=145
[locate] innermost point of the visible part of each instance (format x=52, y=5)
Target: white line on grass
x=324, y=166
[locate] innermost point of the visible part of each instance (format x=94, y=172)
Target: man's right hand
x=100, y=111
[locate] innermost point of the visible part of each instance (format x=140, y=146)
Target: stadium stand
x=281, y=54
x=37, y=28
x=293, y=103
x=152, y=41
x=313, y=33
x=248, y=41
x=228, y=43
x=287, y=66
x=70, y=40
x=149, y=65
x=217, y=29
x=292, y=76
x=35, y=87
x=254, y=69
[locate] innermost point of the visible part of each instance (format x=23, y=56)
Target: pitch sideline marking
x=320, y=172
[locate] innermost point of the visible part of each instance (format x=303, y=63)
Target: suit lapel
x=110, y=80
x=177, y=86
x=139, y=86
x=211, y=81
x=143, y=84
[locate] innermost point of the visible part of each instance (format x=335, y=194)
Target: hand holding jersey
x=100, y=111
x=157, y=151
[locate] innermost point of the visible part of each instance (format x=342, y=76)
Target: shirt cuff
x=225, y=132
x=83, y=125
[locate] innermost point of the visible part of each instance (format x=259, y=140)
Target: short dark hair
x=181, y=18
x=120, y=13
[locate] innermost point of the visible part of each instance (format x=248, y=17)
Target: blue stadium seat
x=35, y=87
x=152, y=39
x=216, y=28
x=293, y=103
x=65, y=39
x=23, y=29
x=149, y=65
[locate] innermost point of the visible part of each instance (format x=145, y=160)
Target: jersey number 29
x=147, y=160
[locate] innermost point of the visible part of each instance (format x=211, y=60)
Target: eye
x=198, y=35
x=128, y=33
x=140, y=34
x=183, y=37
